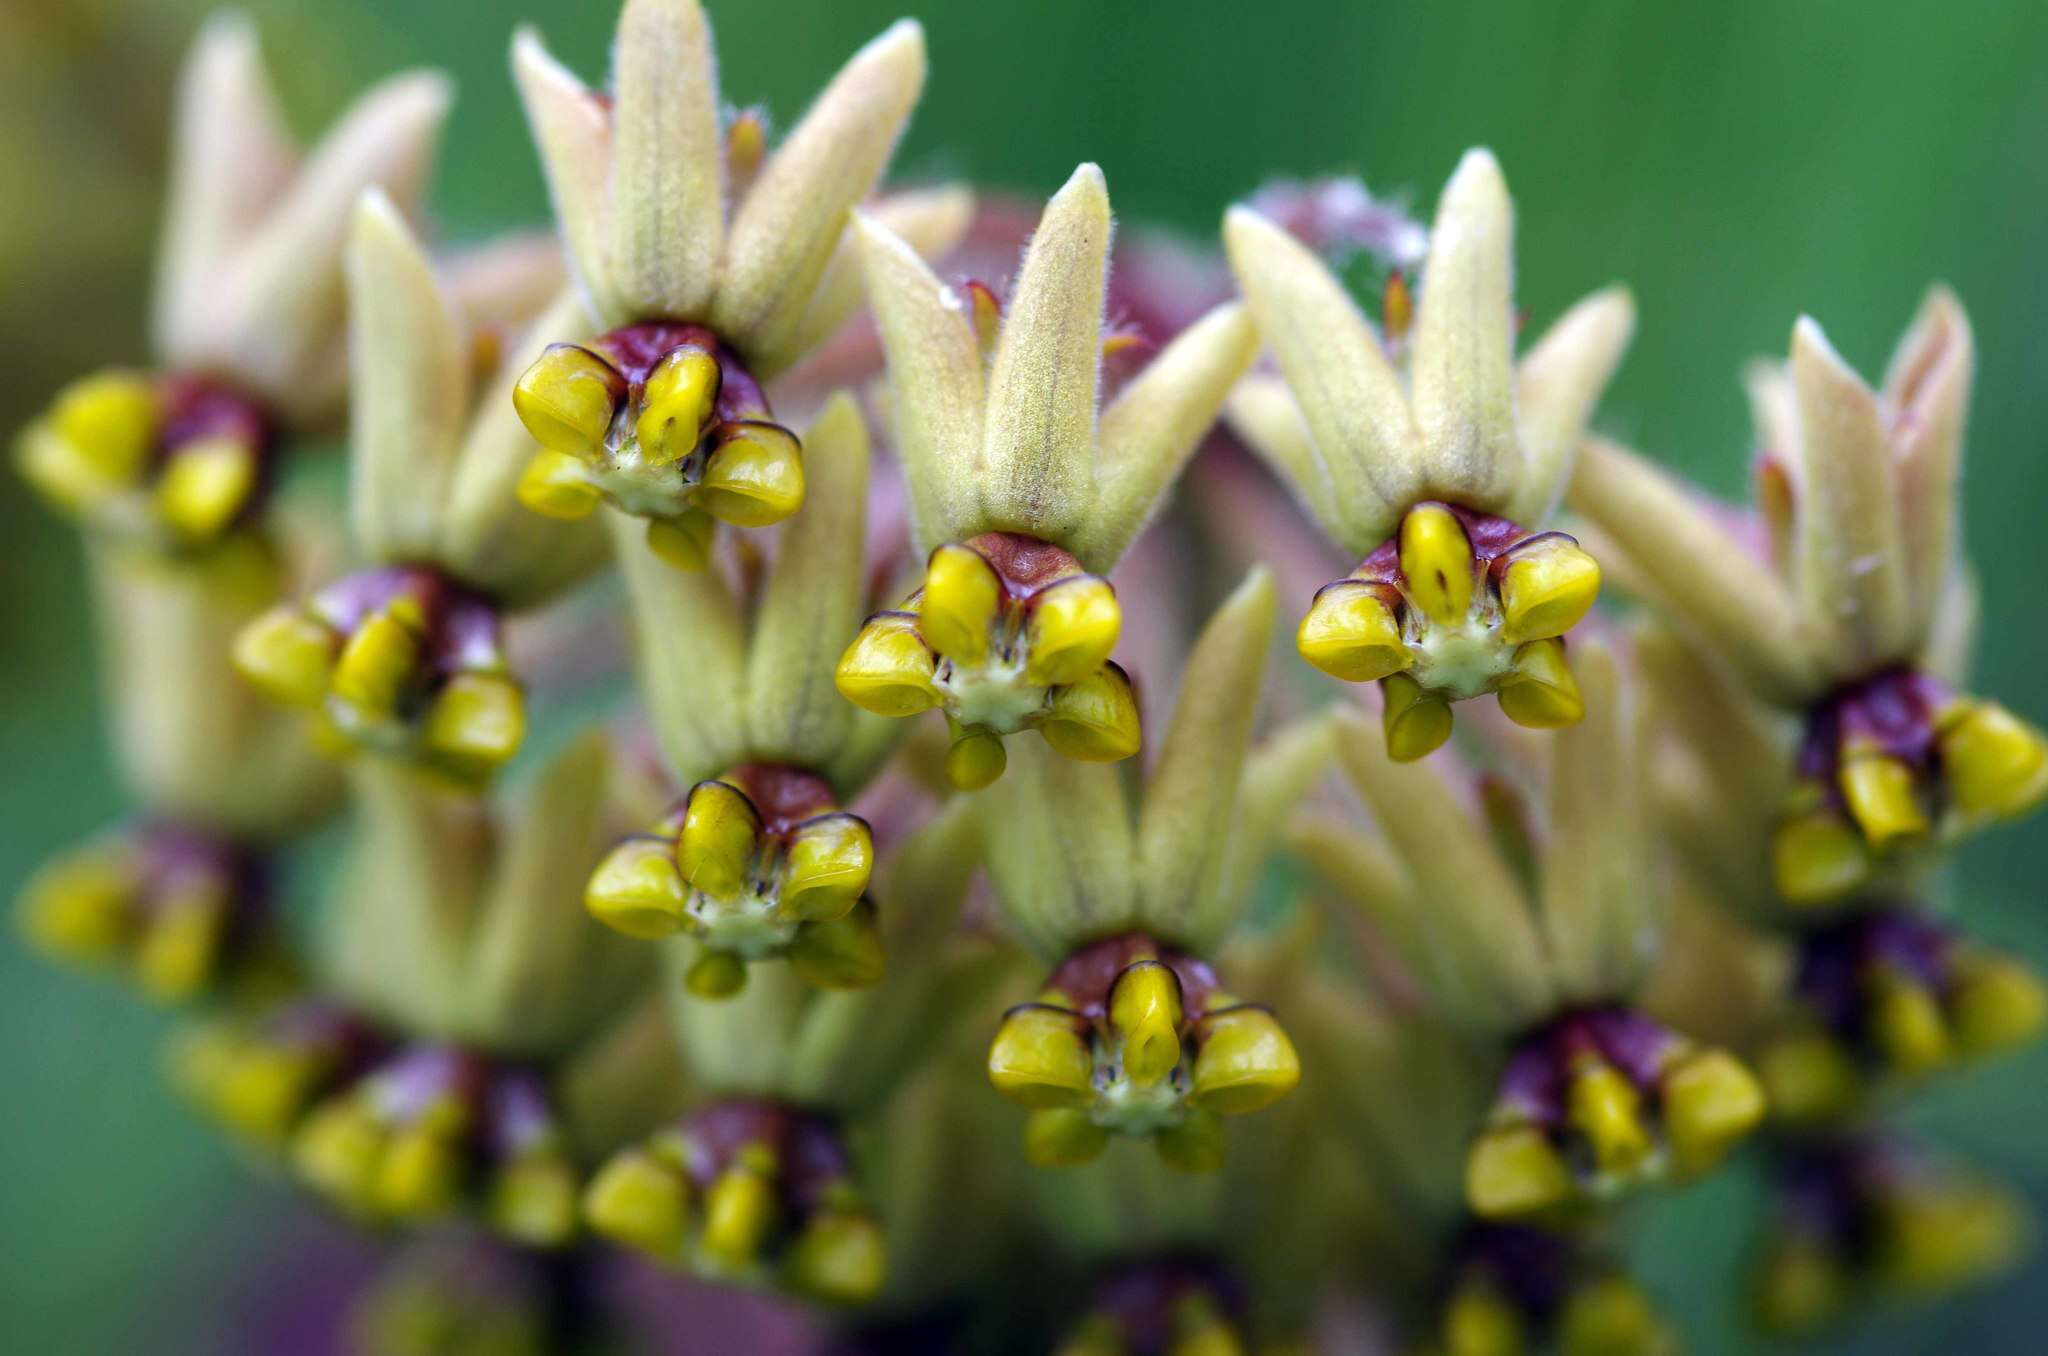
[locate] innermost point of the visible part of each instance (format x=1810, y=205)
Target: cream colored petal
x=1155, y=424
x=1058, y=843
x=929, y=220
x=1704, y=580
x=1599, y=895
x=810, y=607
x=1849, y=559
x=784, y=232
x=1262, y=412
x=411, y=373
x=667, y=225
x=1039, y=444
x=1461, y=366
x=1927, y=395
x=287, y=292
x=935, y=383
x=1363, y=874
x=1774, y=412
x=231, y=157
x=1349, y=394
x=692, y=654
x=1184, y=828
x=1488, y=966
x=1952, y=636
x=572, y=129
x=1557, y=386
x=506, y=283
x=1278, y=774
x=488, y=537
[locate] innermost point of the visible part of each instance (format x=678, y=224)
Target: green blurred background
x=1737, y=163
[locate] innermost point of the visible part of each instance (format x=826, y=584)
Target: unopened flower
x=1855, y=610
x=183, y=913
x=1433, y=456
x=746, y=1190
x=1133, y=1032
x=1511, y=1289
x=708, y=264
x=1885, y=997
x=756, y=864
x=1531, y=923
x=1171, y=1306
x=434, y=1128
x=407, y=658
x=1021, y=497
x=249, y=318
x=1871, y=1216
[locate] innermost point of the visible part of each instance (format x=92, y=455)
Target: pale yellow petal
x=667, y=225
x=784, y=232
x=1848, y=554
x=1262, y=412
x=1461, y=366
x=1927, y=396
x=1557, y=386
x=572, y=129
x=1039, y=443
x=1349, y=393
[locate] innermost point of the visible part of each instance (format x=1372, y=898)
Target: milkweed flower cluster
x=747, y=976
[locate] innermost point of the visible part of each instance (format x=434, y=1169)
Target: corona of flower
x=1856, y=613
x=1516, y=1289
x=1021, y=496
x=759, y=863
x=707, y=261
x=746, y=1190
x=1174, y=1306
x=1423, y=448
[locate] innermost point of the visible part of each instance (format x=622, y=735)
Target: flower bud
x=1094, y=720
x=675, y=404
x=1437, y=563
x=1416, y=722
x=1073, y=626
x=754, y=476
x=1351, y=632
x=716, y=849
x=1245, y=1061
x=958, y=606
x=1547, y=589
x=638, y=890
x=888, y=669
x=827, y=867
x=1542, y=694
x=1040, y=1058
x=567, y=400
x=641, y=1202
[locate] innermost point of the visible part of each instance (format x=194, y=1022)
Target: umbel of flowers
x=1425, y=449
x=704, y=260
x=1021, y=495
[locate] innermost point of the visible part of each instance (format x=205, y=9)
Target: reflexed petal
x=667, y=161
x=1460, y=368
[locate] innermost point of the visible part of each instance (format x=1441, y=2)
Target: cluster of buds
x=1892, y=995
x=1007, y=633
x=757, y=864
x=434, y=1128
x=1872, y=1216
x=259, y=1077
x=1601, y=1102
x=1894, y=763
x=1457, y=605
x=664, y=422
x=1167, y=1306
x=182, y=911
x=400, y=661
x=1133, y=1038
x=172, y=463
x=746, y=1190
x=1511, y=1290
